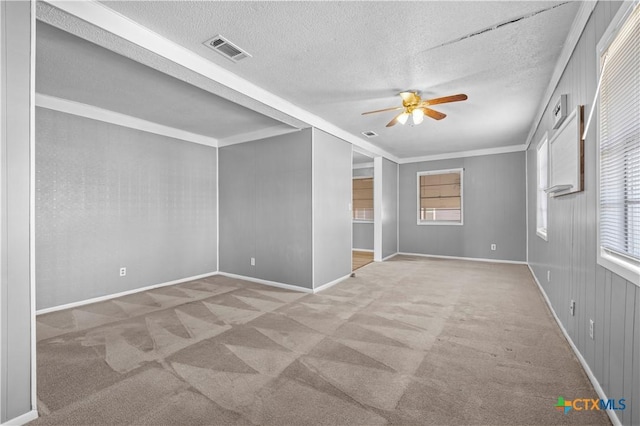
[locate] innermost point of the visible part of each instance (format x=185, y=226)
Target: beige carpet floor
x=407, y=341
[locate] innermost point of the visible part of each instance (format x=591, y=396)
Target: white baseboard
x=390, y=256
x=359, y=249
x=123, y=293
x=23, y=419
x=331, y=284
x=267, y=282
x=592, y=378
x=473, y=259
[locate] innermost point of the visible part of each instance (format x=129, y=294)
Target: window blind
x=363, y=199
x=440, y=197
x=620, y=143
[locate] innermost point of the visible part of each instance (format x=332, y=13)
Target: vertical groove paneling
x=606, y=383
x=579, y=211
x=635, y=374
x=570, y=252
x=599, y=332
x=616, y=348
x=590, y=200
x=627, y=386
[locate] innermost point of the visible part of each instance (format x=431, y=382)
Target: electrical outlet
x=591, y=324
x=493, y=247
x=123, y=272
x=253, y=261
x=548, y=276
x=572, y=307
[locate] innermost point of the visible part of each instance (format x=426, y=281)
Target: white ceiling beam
x=101, y=16
x=107, y=116
x=269, y=132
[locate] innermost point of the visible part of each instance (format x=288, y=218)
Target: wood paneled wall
x=569, y=255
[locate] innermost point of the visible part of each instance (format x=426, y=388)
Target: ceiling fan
x=414, y=106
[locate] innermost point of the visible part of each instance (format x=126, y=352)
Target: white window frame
x=440, y=222
x=353, y=207
x=541, y=196
x=627, y=268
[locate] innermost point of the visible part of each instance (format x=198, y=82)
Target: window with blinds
x=542, y=163
x=619, y=144
x=440, y=197
x=363, y=199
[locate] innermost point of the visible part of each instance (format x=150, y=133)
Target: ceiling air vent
x=370, y=134
x=226, y=48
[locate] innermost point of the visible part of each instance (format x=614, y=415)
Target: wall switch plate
x=253, y=261
x=123, y=272
x=591, y=324
x=493, y=247
x=572, y=307
x=548, y=276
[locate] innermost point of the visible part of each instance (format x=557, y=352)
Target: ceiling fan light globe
x=418, y=116
x=402, y=118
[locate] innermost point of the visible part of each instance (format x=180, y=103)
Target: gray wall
x=265, y=209
x=389, y=208
x=363, y=232
x=108, y=197
x=363, y=235
x=494, y=210
x=366, y=172
x=331, y=213
x=570, y=254
x=15, y=301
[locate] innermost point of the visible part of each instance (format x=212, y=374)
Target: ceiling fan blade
x=394, y=121
x=433, y=113
x=446, y=99
x=382, y=110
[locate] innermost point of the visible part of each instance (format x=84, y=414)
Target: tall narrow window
x=619, y=146
x=542, y=165
x=440, y=197
x=363, y=199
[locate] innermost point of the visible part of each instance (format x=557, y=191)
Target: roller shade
x=363, y=199
x=440, y=197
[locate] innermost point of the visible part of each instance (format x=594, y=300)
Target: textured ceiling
x=338, y=59
x=71, y=68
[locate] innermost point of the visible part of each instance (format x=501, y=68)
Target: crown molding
x=575, y=32
x=462, y=154
x=107, y=116
x=101, y=16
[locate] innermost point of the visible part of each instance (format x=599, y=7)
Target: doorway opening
x=362, y=210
